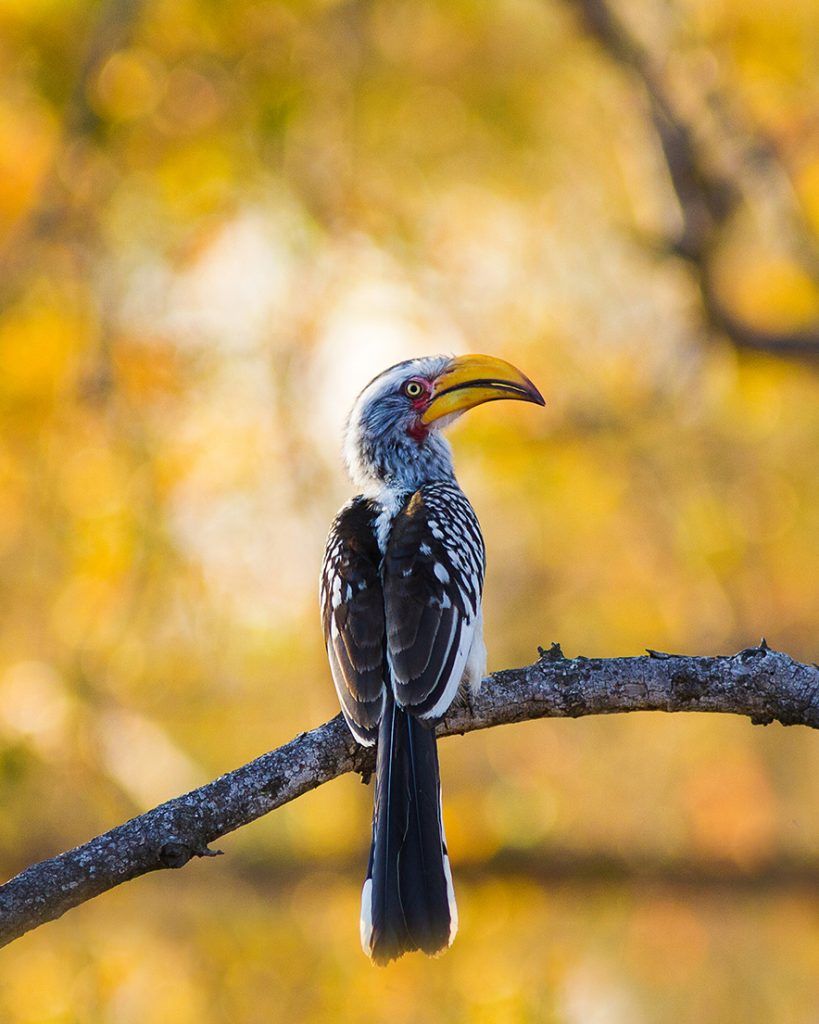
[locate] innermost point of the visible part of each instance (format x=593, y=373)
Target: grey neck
x=399, y=464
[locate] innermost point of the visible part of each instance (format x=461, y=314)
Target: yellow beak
x=472, y=380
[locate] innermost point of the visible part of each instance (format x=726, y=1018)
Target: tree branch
x=762, y=684
x=708, y=199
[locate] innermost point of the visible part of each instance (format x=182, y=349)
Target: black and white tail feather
x=408, y=901
x=402, y=622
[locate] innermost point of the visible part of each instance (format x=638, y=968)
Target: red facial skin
x=419, y=431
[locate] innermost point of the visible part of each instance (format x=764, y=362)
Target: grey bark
x=762, y=684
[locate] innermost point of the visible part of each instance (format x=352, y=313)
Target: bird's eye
x=412, y=389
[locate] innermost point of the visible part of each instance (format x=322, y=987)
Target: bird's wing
x=352, y=610
x=432, y=574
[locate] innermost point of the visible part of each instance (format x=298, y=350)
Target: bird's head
x=393, y=436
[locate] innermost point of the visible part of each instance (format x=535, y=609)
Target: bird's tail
x=408, y=901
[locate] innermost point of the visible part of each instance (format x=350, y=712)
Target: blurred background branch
x=760, y=683
x=709, y=197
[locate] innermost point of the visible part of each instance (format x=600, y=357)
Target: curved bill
x=472, y=380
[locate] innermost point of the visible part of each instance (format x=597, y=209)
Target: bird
x=400, y=592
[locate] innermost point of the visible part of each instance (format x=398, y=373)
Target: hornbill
x=401, y=590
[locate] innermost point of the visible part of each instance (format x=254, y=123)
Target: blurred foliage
x=218, y=221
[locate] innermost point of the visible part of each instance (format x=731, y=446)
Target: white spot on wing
x=383, y=525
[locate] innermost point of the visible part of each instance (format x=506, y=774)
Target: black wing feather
x=352, y=607
x=432, y=577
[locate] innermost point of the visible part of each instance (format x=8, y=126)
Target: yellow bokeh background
x=217, y=221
